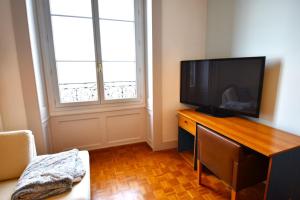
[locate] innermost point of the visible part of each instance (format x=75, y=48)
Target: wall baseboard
x=166, y=145
x=119, y=146
x=99, y=146
x=150, y=143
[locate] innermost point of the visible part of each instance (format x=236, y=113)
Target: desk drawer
x=187, y=124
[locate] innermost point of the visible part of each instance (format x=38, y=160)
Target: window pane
x=117, y=40
x=116, y=9
x=73, y=38
x=76, y=72
x=71, y=7
x=77, y=81
x=119, y=80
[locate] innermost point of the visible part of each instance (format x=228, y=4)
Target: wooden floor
x=136, y=172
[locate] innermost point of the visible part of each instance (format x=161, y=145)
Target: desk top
x=259, y=137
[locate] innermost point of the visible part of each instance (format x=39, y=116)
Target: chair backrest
x=17, y=149
x=218, y=154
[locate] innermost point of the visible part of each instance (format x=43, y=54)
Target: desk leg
x=283, y=181
x=195, y=151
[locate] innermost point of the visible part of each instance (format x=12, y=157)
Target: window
x=95, y=50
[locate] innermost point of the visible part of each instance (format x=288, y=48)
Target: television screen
x=226, y=86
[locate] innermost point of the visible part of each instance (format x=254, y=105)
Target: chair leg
x=199, y=172
x=234, y=195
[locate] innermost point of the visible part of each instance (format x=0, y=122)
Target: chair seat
x=7, y=188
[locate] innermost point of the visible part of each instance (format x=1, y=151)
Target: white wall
x=178, y=34
x=11, y=95
x=39, y=90
x=149, y=71
x=219, y=28
x=23, y=100
x=98, y=130
x=18, y=93
x=183, y=37
x=27, y=57
x=269, y=28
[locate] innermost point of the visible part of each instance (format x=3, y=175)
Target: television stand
x=281, y=149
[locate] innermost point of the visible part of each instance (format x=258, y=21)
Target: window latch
x=99, y=67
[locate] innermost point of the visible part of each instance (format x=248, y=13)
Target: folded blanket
x=49, y=175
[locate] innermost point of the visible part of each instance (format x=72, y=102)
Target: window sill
x=90, y=109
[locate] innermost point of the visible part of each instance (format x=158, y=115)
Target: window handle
x=99, y=67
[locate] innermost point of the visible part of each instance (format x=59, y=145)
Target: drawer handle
x=185, y=122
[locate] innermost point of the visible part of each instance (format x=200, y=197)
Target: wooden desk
x=281, y=148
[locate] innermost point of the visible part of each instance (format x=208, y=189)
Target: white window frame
x=47, y=44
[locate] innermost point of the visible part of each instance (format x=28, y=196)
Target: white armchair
x=17, y=149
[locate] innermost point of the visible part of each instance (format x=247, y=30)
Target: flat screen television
x=223, y=87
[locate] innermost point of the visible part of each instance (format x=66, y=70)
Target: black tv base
x=214, y=112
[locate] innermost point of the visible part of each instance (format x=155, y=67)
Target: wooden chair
x=237, y=166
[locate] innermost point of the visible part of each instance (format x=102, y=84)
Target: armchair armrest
x=17, y=149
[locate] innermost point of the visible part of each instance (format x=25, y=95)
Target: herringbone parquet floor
x=134, y=172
